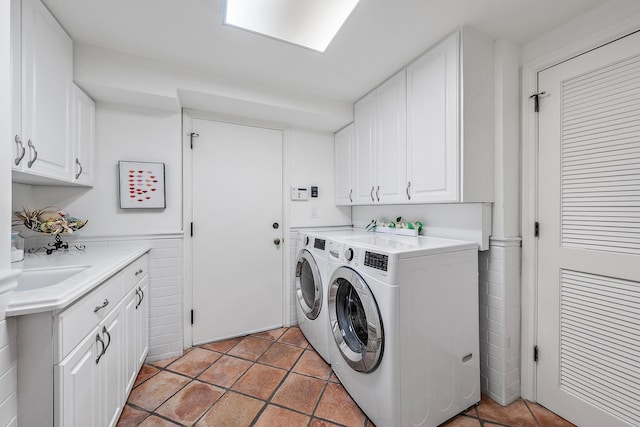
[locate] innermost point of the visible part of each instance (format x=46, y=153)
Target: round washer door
x=308, y=285
x=355, y=319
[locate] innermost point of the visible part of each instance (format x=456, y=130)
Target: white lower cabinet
x=89, y=391
x=136, y=313
x=78, y=365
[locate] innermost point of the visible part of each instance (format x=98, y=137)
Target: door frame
x=529, y=183
x=187, y=212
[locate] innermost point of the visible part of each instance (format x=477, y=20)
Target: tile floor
x=274, y=379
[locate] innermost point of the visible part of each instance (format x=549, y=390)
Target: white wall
x=612, y=14
x=125, y=133
x=310, y=158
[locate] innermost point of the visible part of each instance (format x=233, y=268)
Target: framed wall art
x=141, y=185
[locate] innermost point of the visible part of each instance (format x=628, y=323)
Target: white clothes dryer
x=404, y=325
x=311, y=278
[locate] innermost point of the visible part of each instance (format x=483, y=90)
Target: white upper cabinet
x=343, y=164
x=450, y=121
x=53, y=124
x=83, y=127
x=380, y=144
x=426, y=134
x=47, y=75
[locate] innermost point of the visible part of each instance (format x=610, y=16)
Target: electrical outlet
x=314, y=212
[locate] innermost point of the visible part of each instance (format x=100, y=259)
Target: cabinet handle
x=140, y=295
x=35, y=153
x=21, y=149
x=80, y=166
x=378, y=193
x=408, y=188
x=100, y=307
x=106, y=332
x=98, y=339
x=139, y=299
x=350, y=198
x=140, y=271
x=371, y=195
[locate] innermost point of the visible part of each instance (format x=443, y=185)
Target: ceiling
x=379, y=38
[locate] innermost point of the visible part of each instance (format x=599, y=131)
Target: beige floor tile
x=299, y=392
x=274, y=416
x=153, y=392
x=186, y=406
x=516, y=414
x=260, y=381
x=250, y=348
x=295, y=337
x=222, y=346
x=195, y=362
x=131, y=417
x=546, y=418
x=232, y=410
x=281, y=355
x=336, y=405
x=146, y=372
x=225, y=371
x=310, y=363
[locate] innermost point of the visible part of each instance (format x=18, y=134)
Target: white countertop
x=103, y=263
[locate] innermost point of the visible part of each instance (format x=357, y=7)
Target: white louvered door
x=589, y=245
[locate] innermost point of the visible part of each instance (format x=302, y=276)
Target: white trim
x=187, y=217
x=116, y=237
x=530, y=186
x=505, y=242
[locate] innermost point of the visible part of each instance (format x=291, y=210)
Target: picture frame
x=141, y=185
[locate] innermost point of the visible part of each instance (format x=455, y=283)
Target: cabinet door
x=131, y=337
x=110, y=368
x=432, y=124
x=143, y=321
x=47, y=74
x=77, y=385
x=364, y=150
x=18, y=152
x=343, y=164
x=83, y=128
x=391, y=140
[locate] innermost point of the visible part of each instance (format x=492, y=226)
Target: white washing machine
x=404, y=325
x=312, y=284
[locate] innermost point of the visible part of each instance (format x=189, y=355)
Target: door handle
x=276, y=241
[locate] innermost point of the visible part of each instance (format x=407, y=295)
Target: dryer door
x=355, y=319
x=308, y=285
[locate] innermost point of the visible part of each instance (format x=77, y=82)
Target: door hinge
x=536, y=100
x=191, y=230
x=192, y=317
x=536, y=229
x=193, y=135
x=535, y=347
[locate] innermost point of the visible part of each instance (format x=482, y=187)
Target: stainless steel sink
x=43, y=277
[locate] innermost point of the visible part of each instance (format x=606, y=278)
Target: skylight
x=308, y=23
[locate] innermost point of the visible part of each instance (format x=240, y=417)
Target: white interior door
x=237, y=199
x=589, y=247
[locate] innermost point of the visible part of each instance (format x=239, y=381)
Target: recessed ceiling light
x=309, y=23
